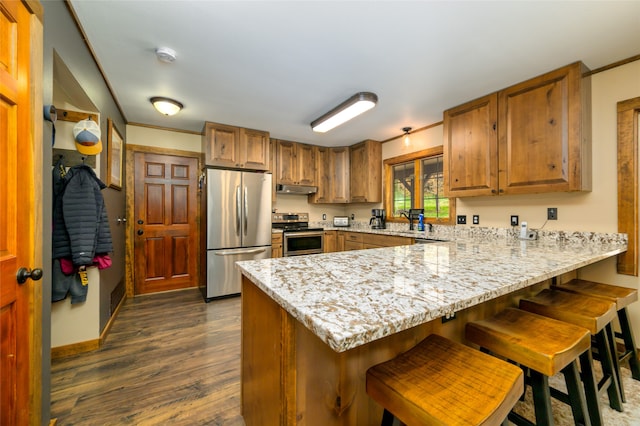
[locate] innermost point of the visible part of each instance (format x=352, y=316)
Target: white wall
x=137, y=135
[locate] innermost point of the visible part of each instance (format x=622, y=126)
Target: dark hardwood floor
x=170, y=358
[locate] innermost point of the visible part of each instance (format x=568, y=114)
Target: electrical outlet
x=476, y=219
x=448, y=317
x=462, y=219
x=324, y=216
x=514, y=220
x=353, y=216
x=552, y=213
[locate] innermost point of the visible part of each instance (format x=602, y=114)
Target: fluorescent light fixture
x=166, y=106
x=352, y=107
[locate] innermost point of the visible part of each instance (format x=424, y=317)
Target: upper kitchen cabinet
x=471, y=148
x=235, y=147
x=366, y=172
x=532, y=137
x=295, y=163
x=332, y=175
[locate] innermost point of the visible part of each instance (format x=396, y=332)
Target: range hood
x=296, y=189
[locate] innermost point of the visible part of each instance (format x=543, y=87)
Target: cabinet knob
x=493, y=191
x=501, y=190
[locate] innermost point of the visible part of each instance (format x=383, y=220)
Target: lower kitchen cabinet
x=363, y=240
x=276, y=245
x=330, y=240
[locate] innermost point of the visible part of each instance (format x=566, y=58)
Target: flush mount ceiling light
x=166, y=106
x=352, y=107
x=406, y=139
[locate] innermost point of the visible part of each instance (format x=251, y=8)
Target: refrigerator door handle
x=245, y=251
x=246, y=209
x=238, y=209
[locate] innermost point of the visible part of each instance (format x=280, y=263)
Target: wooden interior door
x=19, y=319
x=165, y=222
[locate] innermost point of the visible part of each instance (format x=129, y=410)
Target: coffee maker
x=378, y=219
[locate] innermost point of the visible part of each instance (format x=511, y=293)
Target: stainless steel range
x=297, y=237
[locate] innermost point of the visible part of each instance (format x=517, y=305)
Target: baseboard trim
x=89, y=345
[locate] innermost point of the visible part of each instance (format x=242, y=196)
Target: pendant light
x=405, y=138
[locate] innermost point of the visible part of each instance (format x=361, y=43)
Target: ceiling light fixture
x=352, y=107
x=406, y=139
x=166, y=106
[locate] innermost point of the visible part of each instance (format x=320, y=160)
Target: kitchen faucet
x=412, y=215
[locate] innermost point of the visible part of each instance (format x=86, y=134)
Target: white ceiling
x=278, y=65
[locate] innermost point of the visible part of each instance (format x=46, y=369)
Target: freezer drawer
x=223, y=278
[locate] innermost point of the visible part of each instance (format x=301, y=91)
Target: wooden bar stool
x=441, y=382
x=622, y=296
x=545, y=346
x=594, y=314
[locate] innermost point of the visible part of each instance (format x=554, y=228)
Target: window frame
x=416, y=158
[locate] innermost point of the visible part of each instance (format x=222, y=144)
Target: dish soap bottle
x=420, y=222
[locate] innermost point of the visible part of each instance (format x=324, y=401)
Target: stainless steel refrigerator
x=238, y=226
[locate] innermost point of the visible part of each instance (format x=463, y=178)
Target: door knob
x=24, y=273
x=140, y=232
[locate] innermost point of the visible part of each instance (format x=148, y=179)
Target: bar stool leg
x=629, y=343
x=387, y=418
x=541, y=398
x=613, y=390
x=590, y=388
x=576, y=393
x=615, y=360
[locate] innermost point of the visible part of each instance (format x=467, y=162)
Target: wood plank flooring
x=170, y=358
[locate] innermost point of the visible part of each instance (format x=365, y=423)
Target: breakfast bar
x=313, y=325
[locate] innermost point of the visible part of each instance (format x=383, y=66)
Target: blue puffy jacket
x=80, y=223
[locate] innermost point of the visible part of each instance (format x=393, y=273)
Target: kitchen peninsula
x=312, y=325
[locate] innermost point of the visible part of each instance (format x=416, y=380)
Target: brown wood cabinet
x=276, y=245
x=295, y=163
x=366, y=172
x=332, y=175
x=532, y=137
x=330, y=240
x=353, y=241
x=364, y=240
x=235, y=147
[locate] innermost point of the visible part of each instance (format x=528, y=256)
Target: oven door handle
x=240, y=251
x=289, y=234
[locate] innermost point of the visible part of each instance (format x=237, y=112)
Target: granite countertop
x=351, y=298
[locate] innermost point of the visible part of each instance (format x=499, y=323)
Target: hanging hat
x=87, y=136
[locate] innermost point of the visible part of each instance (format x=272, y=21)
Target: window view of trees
x=417, y=181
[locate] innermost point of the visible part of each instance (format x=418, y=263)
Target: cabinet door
x=286, y=172
x=323, y=176
x=471, y=148
x=340, y=183
x=542, y=143
x=340, y=240
x=221, y=145
x=306, y=164
x=366, y=172
x=254, y=149
x=330, y=241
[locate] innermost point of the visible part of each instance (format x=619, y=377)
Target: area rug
x=562, y=413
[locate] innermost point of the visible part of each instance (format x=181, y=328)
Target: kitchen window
x=416, y=180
